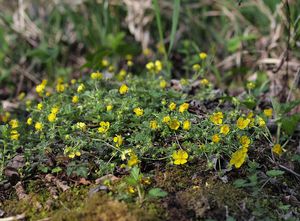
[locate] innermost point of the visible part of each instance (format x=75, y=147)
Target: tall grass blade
x=175, y=19
x=158, y=20
x=161, y=36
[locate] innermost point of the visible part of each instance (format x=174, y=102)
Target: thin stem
x=108, y=144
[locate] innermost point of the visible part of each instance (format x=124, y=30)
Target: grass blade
x=158, y=20
x=175, y=19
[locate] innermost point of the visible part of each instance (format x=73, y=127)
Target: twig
x=289, y=170
x=285, y=168
x=295, y=83
x=13, y=218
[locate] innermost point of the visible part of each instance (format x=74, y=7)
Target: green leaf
x=157, y=192
x=175, y=19
x=234, y=44
x=250, y=103
x=239, y=183
x=275, y=173
x=56, y=170
x=135, y=173
x=289, y=123
x=287, y=107
x=131, y=181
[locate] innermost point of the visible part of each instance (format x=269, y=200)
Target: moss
x=75, y=204
x=102, y=207
x=176, y=178
x=41, y=204
x=193, y=201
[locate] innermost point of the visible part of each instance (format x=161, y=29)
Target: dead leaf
x=109, y=177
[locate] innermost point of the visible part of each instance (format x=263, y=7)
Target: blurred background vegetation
x=246, y=40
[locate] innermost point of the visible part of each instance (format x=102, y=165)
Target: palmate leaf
x=289, y=123
x=157, y=192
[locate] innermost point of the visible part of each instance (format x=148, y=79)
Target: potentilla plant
x=115, y=119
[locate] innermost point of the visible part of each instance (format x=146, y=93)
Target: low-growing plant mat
x=134, y=145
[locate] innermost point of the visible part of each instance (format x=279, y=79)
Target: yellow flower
x=225, y=129
x=163, y=83
x=250, y=85
x=153, y=124
x=122, y=74
x=54, y=110
x=161, y=48
x=71, y=155
x=183, y=107
x=150, y=66
x=5, y=117
x=21, y=96
x=245, y=141
x=217, y=118
x=111, y=68
x=123, y=89
x=154, y=67
x=51, y=117
x=14, y=135
x=96, y=75
x=28, y=103
x=186, y=125
x=277, y=149
x=158, y=66
x=109, y=107
x=60, y=87
x=39, y=106
x=29, y=121
x=174, y=124
x=105, y=62
x=75, y=99
x=14, y=123
x=215, y=138
x=261, y=122
x=204, y=82
x=129, y=63
x=166, y=119
x=104, y=126
x=268, y=112
x=184, y=81
x=77, y=153
x=138, y=111
x=180, y=157
x=133, y=160
x=242, y=123
x=131, y=189
x=202, y=55
x=73, y=81
x=147, y=51
x=80, y=88
x=81, y=126
x=196, y=67
x=41, y=87
x=172, y=106
x=38, y=126
x=238, y=158
x=118, y=140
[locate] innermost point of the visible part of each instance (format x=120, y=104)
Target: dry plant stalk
x=20, y=191
x=137, y=20
x=51, y=179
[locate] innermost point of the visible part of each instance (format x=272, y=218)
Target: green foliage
x=275, y=173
